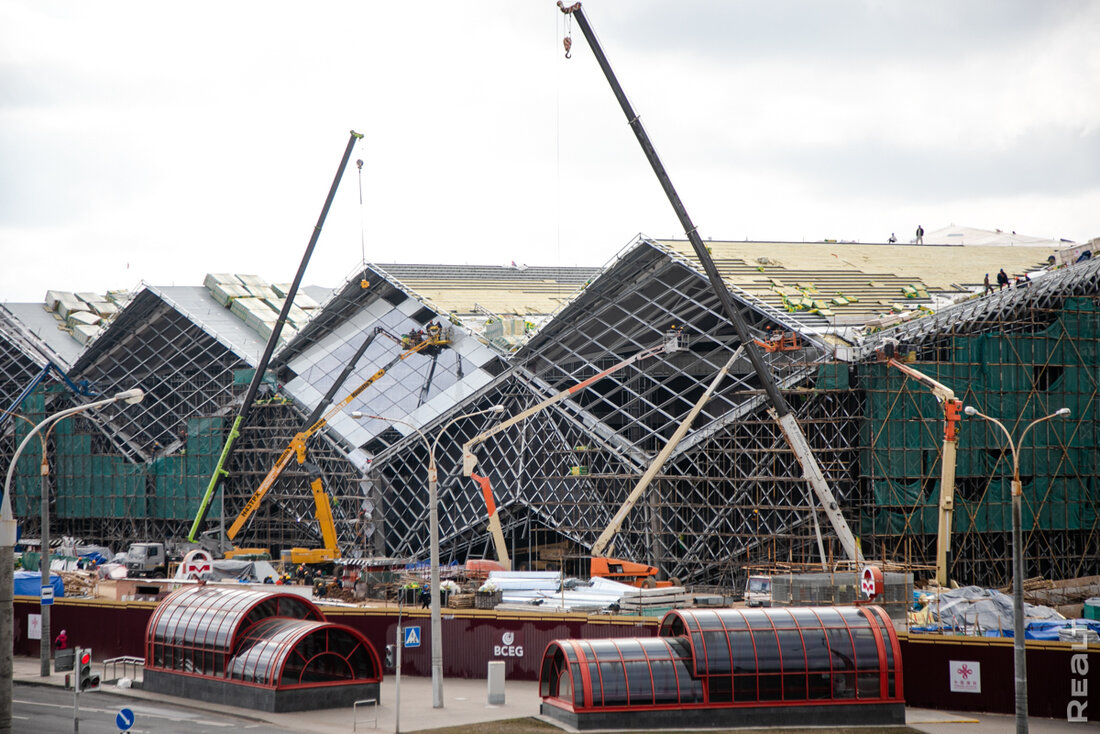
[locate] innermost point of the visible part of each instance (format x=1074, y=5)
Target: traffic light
x=86, y=679
x=391, y=657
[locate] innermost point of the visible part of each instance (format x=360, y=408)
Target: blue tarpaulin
x=29, y=583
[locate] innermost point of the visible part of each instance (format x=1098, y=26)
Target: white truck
x=758, y=591
x=146, y=559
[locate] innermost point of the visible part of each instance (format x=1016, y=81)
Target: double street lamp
x=1020, y=658
x=433, y=522
x=8, y=532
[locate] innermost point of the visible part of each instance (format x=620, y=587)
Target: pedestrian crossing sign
x=412, y=637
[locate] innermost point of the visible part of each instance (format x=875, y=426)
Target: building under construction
x=731, y=493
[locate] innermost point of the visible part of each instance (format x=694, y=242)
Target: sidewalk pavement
x=465, y=701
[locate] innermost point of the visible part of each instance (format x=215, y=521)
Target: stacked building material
x=654, y=602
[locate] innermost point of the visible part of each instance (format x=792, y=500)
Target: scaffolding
x=731, y=494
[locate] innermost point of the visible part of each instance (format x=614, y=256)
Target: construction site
x=604, y=365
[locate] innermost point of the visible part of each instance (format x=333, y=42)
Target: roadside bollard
x=496, y=683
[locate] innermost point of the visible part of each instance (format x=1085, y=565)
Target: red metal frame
x=249, y=637
x=859, y=626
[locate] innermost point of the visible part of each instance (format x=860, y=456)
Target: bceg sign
x=508, y=645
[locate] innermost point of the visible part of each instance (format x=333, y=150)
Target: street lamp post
x=44, y=563
x=1018, y=648
x=433, y=525
x=8, y=532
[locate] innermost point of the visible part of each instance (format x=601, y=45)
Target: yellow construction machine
x=418, y=341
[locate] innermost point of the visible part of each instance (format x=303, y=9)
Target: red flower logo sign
x=965, y=671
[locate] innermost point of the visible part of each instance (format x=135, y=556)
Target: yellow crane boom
x=436, y=338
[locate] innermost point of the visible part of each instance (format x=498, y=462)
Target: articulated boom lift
x=952, y=408
x=673, y=342
x=435, y=339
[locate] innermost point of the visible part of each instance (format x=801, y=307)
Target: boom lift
x=673, y=342
x=952, y=407
x=435, y=339
x=788, y=423
x=603, y=544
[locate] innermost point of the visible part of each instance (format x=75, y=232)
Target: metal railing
x=126, y=661
x=373, y=703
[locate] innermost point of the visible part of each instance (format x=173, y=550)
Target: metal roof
x=48, y=327
x=883, y=278
x=503, y=290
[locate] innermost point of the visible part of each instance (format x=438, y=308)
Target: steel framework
x=730, y=495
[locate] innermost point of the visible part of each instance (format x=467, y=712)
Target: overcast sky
x=160, y=141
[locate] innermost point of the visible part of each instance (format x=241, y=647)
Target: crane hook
x=568, y=43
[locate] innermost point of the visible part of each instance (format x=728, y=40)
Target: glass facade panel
x=844, y=685
x=664, y=681
x=744, y=654
x=817, y=650
x=733, y=619
x=771, y=687
x=767, y=651
x=804, y=617
x=869, y=685
x=758, y=619
x=718, y=652
x=710, y=621
x=578, y=684
x=840, y=644
x=630, y=649
x=594, y=677
x=794, y=686
x=614, y=684
x=782, y=619
x=819, y=685
x=866, y=649
x=691, y=688
x=639, y=683
x=790, y=647
x=720, y=688
x=744, y=688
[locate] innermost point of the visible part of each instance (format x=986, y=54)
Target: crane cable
x=363, y=282
x=362, y=234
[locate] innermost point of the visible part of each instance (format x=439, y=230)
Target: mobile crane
x=786, y=419
x=952, y=407
x=269, y=349
x=430, y=342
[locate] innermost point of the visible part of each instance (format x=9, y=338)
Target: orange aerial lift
x=626, y=571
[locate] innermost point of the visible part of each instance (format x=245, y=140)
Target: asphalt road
x=49, y=710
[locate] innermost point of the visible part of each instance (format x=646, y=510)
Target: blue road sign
x=412, y=637
x=125, y=719
x=47, y=596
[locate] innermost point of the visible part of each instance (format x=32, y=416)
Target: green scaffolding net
x=1016, y=378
